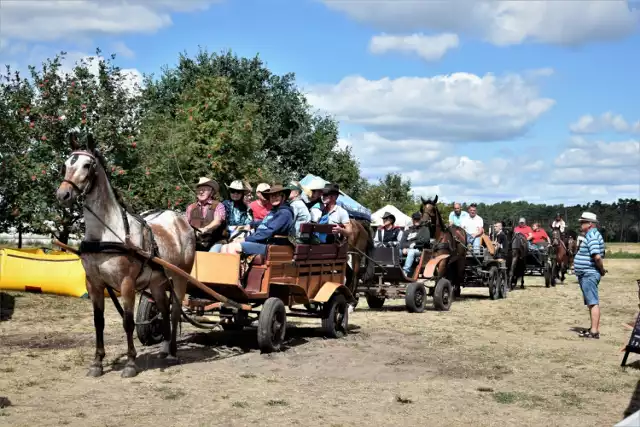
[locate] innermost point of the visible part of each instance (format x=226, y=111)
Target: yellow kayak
x=33, y=270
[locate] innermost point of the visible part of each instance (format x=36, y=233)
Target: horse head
x=428, y=209
x=80, y=171
x=556, y=237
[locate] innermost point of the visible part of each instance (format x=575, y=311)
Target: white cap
x=521, y=221
x=263, y=187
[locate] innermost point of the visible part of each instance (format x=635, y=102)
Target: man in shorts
x=589, y=268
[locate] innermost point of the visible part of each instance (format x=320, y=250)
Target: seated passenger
x=334, y=213
x=539, y=237
x=457, y=215
x=238, y=215
x=474, y=226
x=278, y=222
x=388, y=235
x=314, y=202
x=260, y=207
x=523, y=229
x=301, y=213
x=501, y=241
x=207, y=215
x=413, y=241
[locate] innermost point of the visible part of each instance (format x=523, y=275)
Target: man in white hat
x=260, y=208
x=207, y=215
x=589, y=268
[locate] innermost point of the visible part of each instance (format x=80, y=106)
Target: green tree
x=390, y=190
x=42, y=110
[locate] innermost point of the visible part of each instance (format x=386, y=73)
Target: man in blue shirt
x=589, y=268
x=457, y=215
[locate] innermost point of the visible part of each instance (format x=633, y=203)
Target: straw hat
x=238, y=186
x=588, y=217
x=208, y=182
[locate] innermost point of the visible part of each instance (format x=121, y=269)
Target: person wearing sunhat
x=260, y=208
x=301, y=213
x=414, y=240
x=334, y=213
x=388, y=234
x=278, y=222
x=588, y=266
x=238, y=214
x=207, y=215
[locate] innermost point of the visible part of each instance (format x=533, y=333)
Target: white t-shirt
x=559, y=224
x=471, y=225
x=338, y=215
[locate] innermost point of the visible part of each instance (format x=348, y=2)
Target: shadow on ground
x=7, y=305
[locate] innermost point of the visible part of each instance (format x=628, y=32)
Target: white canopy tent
x=402, y=220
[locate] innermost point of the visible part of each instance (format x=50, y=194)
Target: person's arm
x=594, y=250
x=218, y=217
x=277, y=222
x=400, y=236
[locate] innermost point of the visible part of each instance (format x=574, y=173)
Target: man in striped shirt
x=589, y=268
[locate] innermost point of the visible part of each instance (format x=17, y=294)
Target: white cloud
x=133, y=78
x=500, y=22
x=122, y=49
x=455, y=107
x=607, y=122
x=429, y=48
x=51, y=20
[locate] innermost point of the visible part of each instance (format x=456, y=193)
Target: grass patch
x=240, y=404
x=403, y=400
x=248, y=376
x=622, y=255
x=510, y=397
x=277, y=402
x=169, y=394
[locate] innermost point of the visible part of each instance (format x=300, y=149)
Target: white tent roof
x=402, y=220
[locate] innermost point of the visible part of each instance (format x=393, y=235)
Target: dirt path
x=484, y=363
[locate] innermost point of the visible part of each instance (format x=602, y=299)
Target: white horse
x=165, y=234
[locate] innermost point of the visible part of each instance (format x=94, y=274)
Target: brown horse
x=109, y=227
x=518, y=261
x=561, y=259
x=360, y=242
x=449, y=240
x=572, y=248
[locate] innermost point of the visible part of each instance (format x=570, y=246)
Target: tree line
x=213, y=114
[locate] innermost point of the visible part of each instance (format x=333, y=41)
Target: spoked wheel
x=272, y=325
x=503, y=288
x=335, y=322
x=494, y=283
x=148, y=322
x=442, y=295
x=375, y=301
x=415, y=297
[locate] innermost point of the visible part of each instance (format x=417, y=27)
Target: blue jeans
x=589, y=286
x=253, y=248
x=475, y=241
x=411, y=257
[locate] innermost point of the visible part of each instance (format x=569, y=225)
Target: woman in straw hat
x=278, y=222
x=207, y=215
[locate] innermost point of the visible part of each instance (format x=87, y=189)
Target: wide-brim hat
x=588, y=217
x=276, y=188
x=315, y=184
x=208, y=182
x=389, y=215
x=331, y=189
x=238, y=186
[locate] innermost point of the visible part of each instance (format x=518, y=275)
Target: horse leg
x=128, y=292
x=512, y=278
x=162, y=303
x=96, y=293
x=180, y=289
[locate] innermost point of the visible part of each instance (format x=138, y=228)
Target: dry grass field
x=632, y=248
x=484, y=363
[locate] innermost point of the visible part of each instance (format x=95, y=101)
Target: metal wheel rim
x=445, y=296
x=419, y=297
x=156, y=325
x=277, y=323
x=340, y=316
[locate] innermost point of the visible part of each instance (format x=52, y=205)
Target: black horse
x=517, y=261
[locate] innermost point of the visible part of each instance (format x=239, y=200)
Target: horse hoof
x=95, y=371
x=129, y=371
x=172, y=360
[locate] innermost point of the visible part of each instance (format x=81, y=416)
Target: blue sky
x=473, y=100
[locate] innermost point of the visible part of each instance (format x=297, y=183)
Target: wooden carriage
x=290, y=275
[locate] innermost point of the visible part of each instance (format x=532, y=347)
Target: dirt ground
x=484, y=363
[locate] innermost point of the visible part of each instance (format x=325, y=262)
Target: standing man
x=457, y=215
x=260, y=208
x=474, y=226
x=207, y=215
x=589, y=268
x=501, y=241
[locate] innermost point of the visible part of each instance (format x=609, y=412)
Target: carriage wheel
x=272, y=325
x=503, y=288
x=148, y=333
x=442, y=295
x=335, y=322
x=375, y=301
x=415, y=297
x=494, y=283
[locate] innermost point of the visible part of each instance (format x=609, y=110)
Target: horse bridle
x=92, y=176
